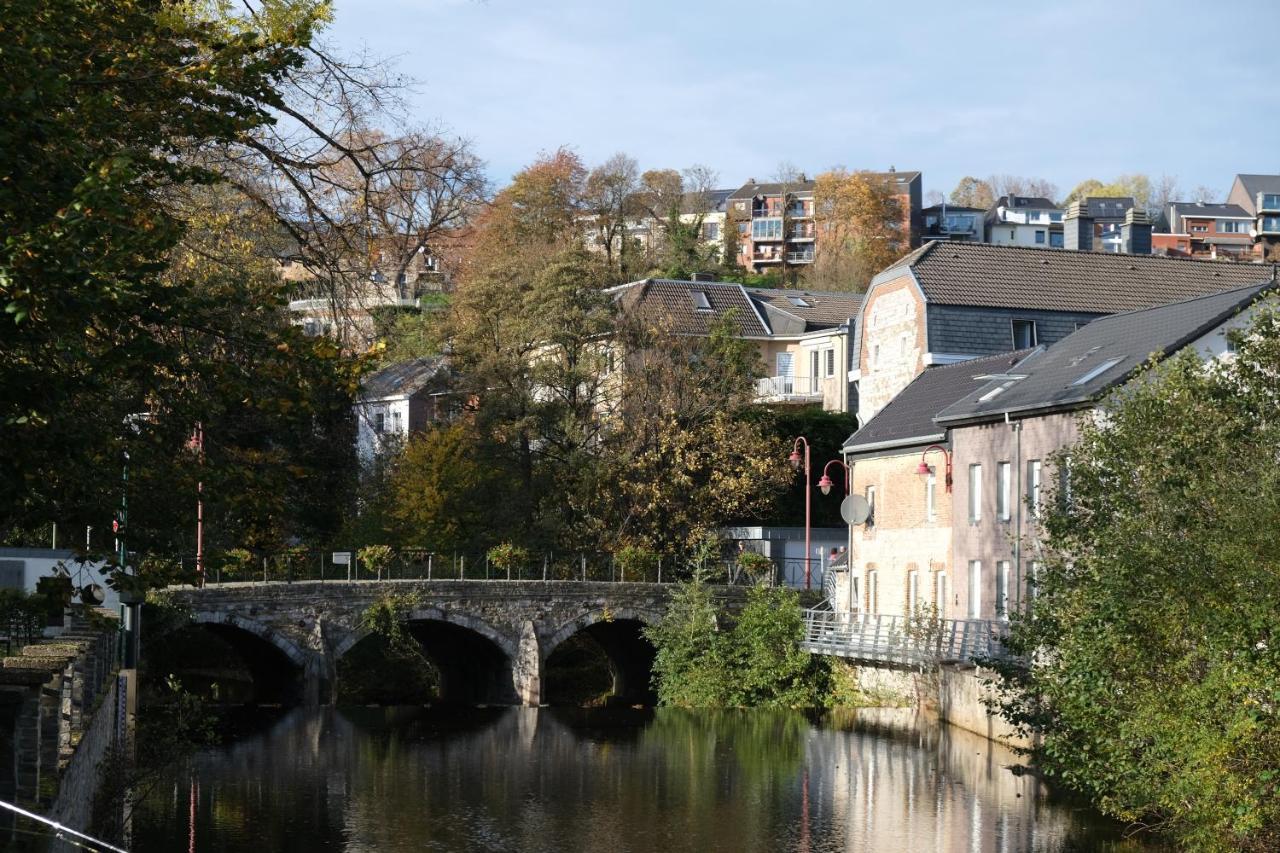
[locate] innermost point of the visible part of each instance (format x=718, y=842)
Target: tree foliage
x=862, y=229
x=973, y=192
x=1156, y=677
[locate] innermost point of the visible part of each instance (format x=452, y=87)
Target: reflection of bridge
x=490, y=640
x=903, y=640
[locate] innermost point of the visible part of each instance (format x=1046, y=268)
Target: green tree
x=1155, y=669
x=973, y=192
x=443, y=495
x=863, y=229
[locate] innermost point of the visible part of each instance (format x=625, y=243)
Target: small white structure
x=22, y=568
x=398, y=401
x=785, y=546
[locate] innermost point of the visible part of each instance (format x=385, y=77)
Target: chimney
x=703, y=276
x=1135, y=233
x=892, y=170
x=1077, y=228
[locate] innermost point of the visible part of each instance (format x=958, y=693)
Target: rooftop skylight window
x=700, y=301
x=798, y=301
x=1098, y=371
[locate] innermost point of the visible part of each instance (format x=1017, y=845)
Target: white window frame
x=940, y=593
x=829, y=362
x=873, y=592
x=871, y=505
x=975, y=589
x=814, y=359
x=913, y=591
x=931, y=497
x=1003, y=575
x=1004, y=489
x=1033, y=487
x=975, y=493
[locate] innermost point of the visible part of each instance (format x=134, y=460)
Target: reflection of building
x=397, y=401
x=802, y=335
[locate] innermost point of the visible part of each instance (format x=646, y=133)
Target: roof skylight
x=700, y=301
x=1098, y=371
x=799, y=302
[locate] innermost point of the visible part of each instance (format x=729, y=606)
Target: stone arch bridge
x=491, y=640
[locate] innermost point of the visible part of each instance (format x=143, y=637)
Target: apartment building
x=1019, y=220
x=775, y=222
x=953, y=222
x=1199, y=229
x=1259, y=197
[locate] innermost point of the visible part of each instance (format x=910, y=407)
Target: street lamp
x=796, y=461
x=825, y=484
x=924, y=469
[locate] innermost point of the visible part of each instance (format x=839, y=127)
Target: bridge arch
x=473, y=659
x=618, y=634
x=280, y=669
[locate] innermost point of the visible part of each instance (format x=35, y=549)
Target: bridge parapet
x=313, y=624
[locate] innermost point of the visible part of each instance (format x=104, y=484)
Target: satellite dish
x=854, y=509
x=93, y=594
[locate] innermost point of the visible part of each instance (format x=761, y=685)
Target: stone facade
x=893, y=343
x=905, y=550
x=515, y=625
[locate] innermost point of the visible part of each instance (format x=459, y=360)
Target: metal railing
x=800, y=257
x=787, y=386
x=905, y=640
x=407, y=564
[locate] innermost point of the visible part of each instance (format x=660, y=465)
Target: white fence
x=902, y=639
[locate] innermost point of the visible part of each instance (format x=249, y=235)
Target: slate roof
x=1255, y=184
x=908, y=417
x=711, y=201
x=983, y=275
x=1196, y=209
x=825, y=309
x=1121, y=343
x=1107, y=206
x=1026, y=202
x=401, y=380
x=671, y=303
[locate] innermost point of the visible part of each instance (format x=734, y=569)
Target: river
x=515, y=779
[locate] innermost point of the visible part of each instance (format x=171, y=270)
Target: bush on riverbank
x=706, y=659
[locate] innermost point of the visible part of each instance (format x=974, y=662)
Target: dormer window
x=700, y=301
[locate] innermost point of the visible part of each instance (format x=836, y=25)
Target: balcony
x=800, y=257
x=787, y=389
x=1269, y=225
x=802, y=232
x=1269, y=202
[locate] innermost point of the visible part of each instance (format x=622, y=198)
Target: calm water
x=538, y=780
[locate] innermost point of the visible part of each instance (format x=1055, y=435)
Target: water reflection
x=609, y=781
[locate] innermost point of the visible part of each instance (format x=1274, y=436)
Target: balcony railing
x=1269, y=202
x=787, y=388
x=904, y=640
x=1269, y=225
x=799, y=257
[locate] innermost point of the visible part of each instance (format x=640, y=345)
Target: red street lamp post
x=826, y=483
x=796, y=460
x=924, y=469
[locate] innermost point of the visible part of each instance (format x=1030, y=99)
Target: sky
x=1059, y=90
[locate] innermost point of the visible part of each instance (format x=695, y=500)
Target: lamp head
x=795, y=458
x=923, y=469
x=825, y=484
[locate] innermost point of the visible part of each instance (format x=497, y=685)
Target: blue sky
x=1060, y=90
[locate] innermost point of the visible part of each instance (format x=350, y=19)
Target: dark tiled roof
x=982, y=275
x=711, y=201
x=825, y=309
x=908, y=417
x=1255, y=184
x=403, y=379
x=671, y=303
x=1196, y=209
x=1115, y=346
x=952, y=208
x=752, y=189
x=1108, y=206
x=1026, y=202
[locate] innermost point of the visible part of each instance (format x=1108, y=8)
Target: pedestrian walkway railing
x=903, y=640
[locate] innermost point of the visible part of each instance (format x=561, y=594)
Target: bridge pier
x=526, y=669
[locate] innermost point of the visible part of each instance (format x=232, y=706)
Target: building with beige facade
x=901, y=557
x=802, y=336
